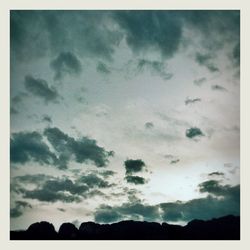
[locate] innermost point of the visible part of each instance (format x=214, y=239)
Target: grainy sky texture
x=120, y=115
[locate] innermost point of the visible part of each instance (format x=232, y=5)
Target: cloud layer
x=221, y=200
x=40, y=88
x=30, y=146
x=52, y=189
x=66, y=63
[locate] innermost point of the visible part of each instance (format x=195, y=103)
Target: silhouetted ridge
x=68, y=231
x=224, y=228
x=41, y=231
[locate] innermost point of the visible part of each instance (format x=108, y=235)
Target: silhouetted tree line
x=224, y=228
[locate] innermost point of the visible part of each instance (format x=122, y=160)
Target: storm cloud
x=175, y=161
x=49, y=188
x=19, y=208
x=137, y=180
x=193, y=132
x=40, y=88
x=66, y=63
x=47, y=118
x=83, y=149
x=30, y=146
x=151, y=30
x=37, y=179
x=127, y=211
x=216, y=174
x=218, y=87
x=134, y=166
x=155, y=67
x=35, y=34
x=221, y=200
x=149, y=125
x=52, y=189
x=206, y=60
x=212, y=204
x=107, y=173
x=93, y=181
x=190, y=101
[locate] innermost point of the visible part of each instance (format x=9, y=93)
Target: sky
x=124, y=115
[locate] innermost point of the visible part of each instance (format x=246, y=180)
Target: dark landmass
x=224, y=228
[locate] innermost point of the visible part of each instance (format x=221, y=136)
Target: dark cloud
x=133, y=194
x=149, y=125
x=214, y=187
x=66, y=63
x=211, y=186
x=193, y=132
x=137, y=210
x=47, y=118
x=83, y=149
x=162, y=30
x=52, y=189
x=96, y=192
x=61, y=209
x=205, y=60
x=107, y=173
x=216, y=174
x=127, y=211
x=145, y=30
x=93, y=181
x=222, y=27
x=200, y=81
x=29, y=146
x=40, y=88
x=155, y=67
x=218, y=87
x=58, y=185
x=56, y=189
x=19, y=208
x=205, y=208
x=16, y=101
x=190, y=101
x=50, y=196
x=37, y=179
x=26, y=37
x=221, y=200
x=174, y=161
x=106, y=214
x=133, y=166
x=215, y=21
x=137, y=180
x=102, y=68
x=35, y=34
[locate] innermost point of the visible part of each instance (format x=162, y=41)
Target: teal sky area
x=119, y=115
